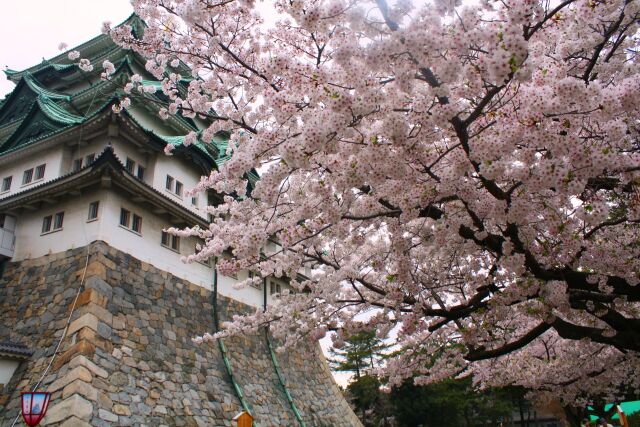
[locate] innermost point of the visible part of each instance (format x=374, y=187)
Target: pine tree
x=361, y=351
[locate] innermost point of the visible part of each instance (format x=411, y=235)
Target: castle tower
x=96, y=305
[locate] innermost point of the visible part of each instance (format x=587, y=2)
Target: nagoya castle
x=96, y=305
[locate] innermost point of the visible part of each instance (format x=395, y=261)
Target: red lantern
x=34, y=406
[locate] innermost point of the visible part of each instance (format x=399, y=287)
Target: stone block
x=87, y=320
x=104, y=330
x=119, y=379
x=74, y=406
x=99, y=285
x=104, y=401
x=160, y=409
x=82, y=388
x=121, y=410
x=83, y=361
x=78, y=373
x=87, y=335
x=75, y=422
x=107, y=416
x=117, y=323
x=100, y=312
x=91, y=296
x=94, y=269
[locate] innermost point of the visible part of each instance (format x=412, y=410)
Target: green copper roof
x=57, y=113
x=44, y=112
x=35, y=86
x=216, y=150
x=155, y=83
x=178, y=141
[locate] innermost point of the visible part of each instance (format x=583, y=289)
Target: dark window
x=6, y=183
x=46, y=223
x=89, y=159
x=77, y=165
x=57, y=221
x=169, y=185
x=124, y=217
x=28, y=176
x=93, y=210
x=140, y=172
x=275, y=288
x=170, y=241
x=130, y=165
x=179, y=188
x=194, y=200
x=40, y=172
x=136, y=224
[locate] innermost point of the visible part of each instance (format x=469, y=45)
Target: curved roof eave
x=55, y=113
x=106, y=159
x=36, y=88
x=204, y=159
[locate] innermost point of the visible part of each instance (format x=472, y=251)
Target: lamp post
x=34, y=406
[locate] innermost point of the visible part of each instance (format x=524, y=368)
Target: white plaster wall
x=16, y=168
x=183, y=171
x=146, y=246
x=157, y=167
x=7, y=368
x=75, y=232
x=151, y=121
x=125, y=150
x=95, y=146
x=78, y=232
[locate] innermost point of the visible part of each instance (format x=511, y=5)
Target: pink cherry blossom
x=463, y=177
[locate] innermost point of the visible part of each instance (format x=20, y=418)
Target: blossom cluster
x=462, y=178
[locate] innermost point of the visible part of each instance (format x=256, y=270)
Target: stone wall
x=128, y=358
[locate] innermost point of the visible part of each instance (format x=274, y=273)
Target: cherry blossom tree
x=464, y=176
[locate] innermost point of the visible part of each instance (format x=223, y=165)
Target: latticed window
x=40, y=171
x=125, y=215
x=275, y=288
x=6, y=183
x=93, y=210
x=52, y=222
x=170, y=241
x=131, y=221
x=130, y=166
x=58, y=220
x=46, y=223
x=27, y=177
x=136, y=224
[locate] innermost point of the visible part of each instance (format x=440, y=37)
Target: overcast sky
x=33, y=29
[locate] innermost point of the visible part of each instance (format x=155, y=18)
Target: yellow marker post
x=244, y=419
x=623, y=417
